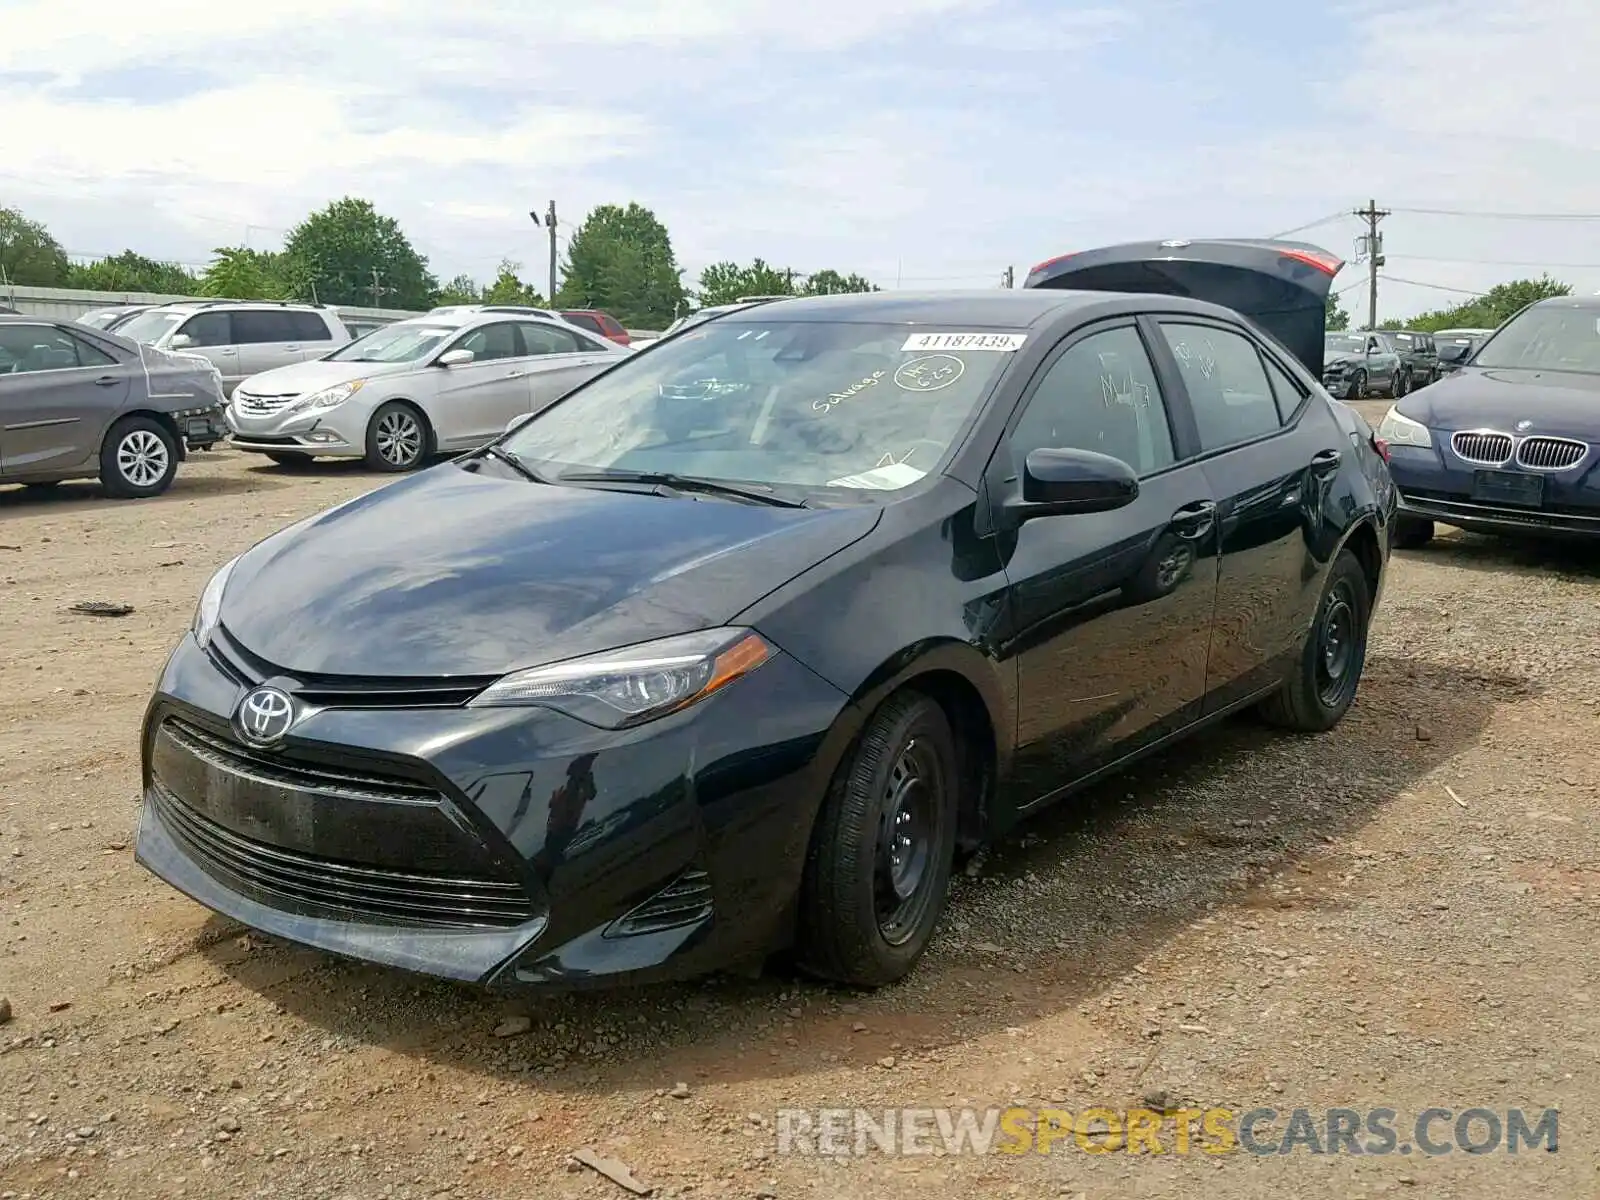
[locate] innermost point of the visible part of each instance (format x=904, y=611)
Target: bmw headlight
x=620, y=688
x=210, y=606
x=1398, y=430
x=330, y=397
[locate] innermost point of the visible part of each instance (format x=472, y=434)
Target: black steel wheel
x=878, y=868
x=1323, y=684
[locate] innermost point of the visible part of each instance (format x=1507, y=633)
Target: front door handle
x=515, y=374
x=1194, y=521
x=107, y=381
x=1324, y=463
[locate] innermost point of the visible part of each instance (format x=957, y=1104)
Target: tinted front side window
x=208, y=329
x=1100, y=395
x=257, y=327
x=548, y=339
x=1226, y=381
x=490, y=342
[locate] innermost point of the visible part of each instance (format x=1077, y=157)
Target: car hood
x=1559, y=403
x=299, y=379
x=1340, y=358
x=457, y=571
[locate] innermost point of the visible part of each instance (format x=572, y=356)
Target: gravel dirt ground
x=1401, y=913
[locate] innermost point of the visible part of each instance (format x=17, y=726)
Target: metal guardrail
x=71, y=303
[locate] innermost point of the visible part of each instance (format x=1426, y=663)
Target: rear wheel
x=1323, y=686
x=397, y=438
x=879, y=863
x=1412, y=533
x=138, y=459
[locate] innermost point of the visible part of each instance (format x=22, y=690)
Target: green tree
x=831, y=283
x=344, y=251
x=463, y=289
x=29, y=256
x=620, y=260
x=725, y=282
x=1491, y=309
x=132, y=272
x=1337, y=317
x=239, y=273
x=507, y=288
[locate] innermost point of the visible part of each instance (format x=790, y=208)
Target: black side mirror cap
x=1062, y=481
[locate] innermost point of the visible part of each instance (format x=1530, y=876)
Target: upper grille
x=1488, y=449
x=260, y=405
x=1550, y=453
x=344, y=691
x=313, y=885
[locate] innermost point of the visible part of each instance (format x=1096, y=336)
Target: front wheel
x=397, y=438
x=138, y=459
x=1401, y=386
x=879, y=863
x=1358, y=386
x=1324, y=681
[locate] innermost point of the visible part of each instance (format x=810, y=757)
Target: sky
x=923, y=143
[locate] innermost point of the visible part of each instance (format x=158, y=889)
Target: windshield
x=150, y=326
x=1346, y=343
x=1551, y=338
x=101, y=319
x=401, y=342
x=807, y=404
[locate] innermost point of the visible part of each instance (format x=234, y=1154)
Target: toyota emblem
x=265, y=716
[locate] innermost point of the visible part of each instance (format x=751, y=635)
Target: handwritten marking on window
x=834, y=399
x=929, y=373
x=1128, y=391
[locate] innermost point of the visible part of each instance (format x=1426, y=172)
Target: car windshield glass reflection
x=395, y=344
x=148, y=327
x=801, y=403
x=1346, y=343
x=1557, y=338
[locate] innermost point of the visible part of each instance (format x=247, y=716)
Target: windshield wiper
x=682, y=483
x=516, y=462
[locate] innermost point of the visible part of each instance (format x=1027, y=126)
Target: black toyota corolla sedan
x=1510, y=442
x=737, y=645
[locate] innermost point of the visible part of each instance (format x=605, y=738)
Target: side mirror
x=454, y=358
x=1056, y=482
x=518, y=421
x=180, y=340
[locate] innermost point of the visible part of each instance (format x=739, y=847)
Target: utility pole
x=1372, y=214
x=550, y=228
x=378, y=290
x=1010, y=279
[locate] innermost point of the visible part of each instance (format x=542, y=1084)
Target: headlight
x=210, y=606
x=1403, y=431
x=328, y=397
x=619, y=688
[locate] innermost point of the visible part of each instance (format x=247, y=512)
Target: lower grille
x=1551, y=454
x=322, y=887
x=685, y=901
x=1486, y=449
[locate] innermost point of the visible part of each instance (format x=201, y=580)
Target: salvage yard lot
x=1401, y=913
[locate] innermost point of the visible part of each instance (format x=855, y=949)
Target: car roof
x=1567, y=302
x=16, y=318
x=992, y=308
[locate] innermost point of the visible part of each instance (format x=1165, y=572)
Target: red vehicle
x=604, y=324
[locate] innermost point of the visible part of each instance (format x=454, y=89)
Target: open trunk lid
x=1281, y=286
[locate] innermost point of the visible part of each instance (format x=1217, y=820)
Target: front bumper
x=201, y=427
x=1434, y=484
x=329, y=431
x=504, y=847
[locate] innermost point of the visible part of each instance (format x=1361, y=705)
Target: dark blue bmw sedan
x=737, y=645
x=1509, y=443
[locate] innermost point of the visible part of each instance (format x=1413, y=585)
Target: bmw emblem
x=1175, y=244
x=1524, y=426
x=265, y=716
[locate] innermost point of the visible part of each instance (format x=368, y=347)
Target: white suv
x=241, y=338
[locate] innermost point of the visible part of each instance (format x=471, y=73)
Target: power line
x=1499, y=216
x=1501, y=262
x=1438, y=287
x=1311, y=224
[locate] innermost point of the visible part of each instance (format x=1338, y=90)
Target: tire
x=1401, y=385
x=138, y=459
x=1412, y=533
x=1358, y=386
x=855, y=927
x=1323, y=686
x=292, y=459
x=390, y=447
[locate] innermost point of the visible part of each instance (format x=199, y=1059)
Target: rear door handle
x=107, y=381
x=515, y=374
x=1194, y=521
x=1325, y=463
